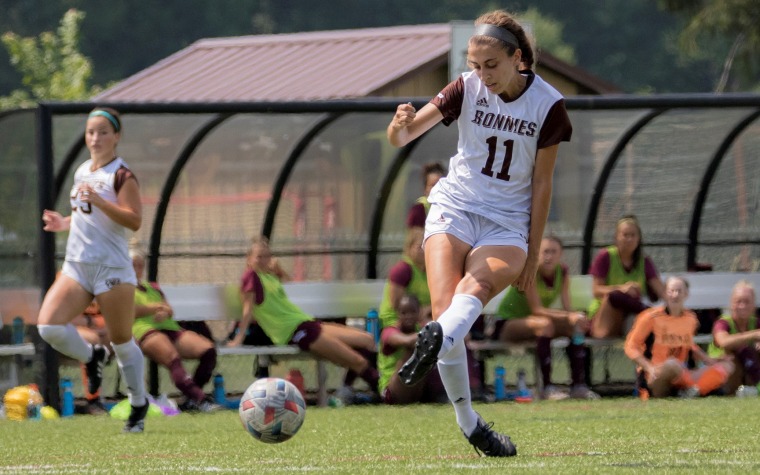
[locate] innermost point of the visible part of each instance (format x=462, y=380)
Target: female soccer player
x=487, y=216
x=105, y=207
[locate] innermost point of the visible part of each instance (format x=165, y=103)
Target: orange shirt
x=673, y=335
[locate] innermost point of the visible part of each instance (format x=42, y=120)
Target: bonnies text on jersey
x=505, y=123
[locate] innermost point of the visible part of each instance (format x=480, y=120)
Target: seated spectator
x=396, y=345
x=738, y=334
x=623, y=275
x=406, y=277
x=91, y=326
x=528, y=316
x=162, y=340
x=431, y=173
x=265, y=301
x=673, y=327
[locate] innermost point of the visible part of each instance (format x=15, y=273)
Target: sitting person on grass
x=738, y=334
x=162, y=340
x=396, y=345
x=265, y=301
x=672, y=327
x=528, y=316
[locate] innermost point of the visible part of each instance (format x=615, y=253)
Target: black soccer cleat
x=136, y=421
x=94, y=368
x=490, y=443
x=425, y=355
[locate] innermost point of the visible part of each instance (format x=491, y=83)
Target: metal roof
x=338, y=64
x=293, y=67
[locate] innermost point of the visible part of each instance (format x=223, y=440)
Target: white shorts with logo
x=474, y=229
x=98, y=279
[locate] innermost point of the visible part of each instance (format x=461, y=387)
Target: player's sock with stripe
x=457, y=320
x=132, y=366
x=66, y=339
x=453, y=370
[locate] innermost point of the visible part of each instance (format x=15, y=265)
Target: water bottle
x=220, y=396
x=18, y=331
x=523, y=393
x=579, y=337
x=67, y=404
x=373, y=324
x=499, y=388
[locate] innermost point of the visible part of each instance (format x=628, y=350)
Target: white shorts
x=474, y=229
x=98, y=279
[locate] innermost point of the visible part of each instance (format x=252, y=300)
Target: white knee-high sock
x=66, y=339
x=457, y=320
x=456, y=380
x=132, y=367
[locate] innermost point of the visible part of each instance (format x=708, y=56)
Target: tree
x=734, y=26
x=51, y=65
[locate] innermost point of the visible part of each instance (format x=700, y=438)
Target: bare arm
x=600, y=289
x=408, y=124
x=245, y=319
x=401, y=340
x=543, y=174
x=55, y=222
x=733, y=342
x=127, y=211
x=539, y=310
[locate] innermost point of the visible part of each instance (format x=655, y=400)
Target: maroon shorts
x=306, y=334
x=173, y=335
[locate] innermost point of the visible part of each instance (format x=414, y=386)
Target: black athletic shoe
x=136, y=421
x=490, y=443
x=95, y=368
x=425, y=355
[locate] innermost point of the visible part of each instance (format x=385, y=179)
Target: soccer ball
x=272, y=410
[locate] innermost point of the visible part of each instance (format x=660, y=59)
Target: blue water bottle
x=373, y=324
x=18, y=331
x=499, y=388
x=220, y=396
x=67, y=404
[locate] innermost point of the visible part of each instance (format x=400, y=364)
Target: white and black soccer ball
x=272, y=410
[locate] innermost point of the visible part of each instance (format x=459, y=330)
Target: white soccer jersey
x=491, y=174
x=95, y=238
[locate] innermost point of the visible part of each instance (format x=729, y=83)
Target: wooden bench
x=322, y=300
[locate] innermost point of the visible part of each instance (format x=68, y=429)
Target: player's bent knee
x=53, y=334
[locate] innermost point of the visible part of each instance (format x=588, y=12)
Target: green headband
x=108, y=116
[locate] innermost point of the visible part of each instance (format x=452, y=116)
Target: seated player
x=162, y=340
x=406, y=277
x=737, y=335
x=673, y=327
x=396, y=345
x=528, y=316
x=265, y=301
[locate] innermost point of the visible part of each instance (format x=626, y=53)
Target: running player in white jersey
x=487, y=216
x=105, y=207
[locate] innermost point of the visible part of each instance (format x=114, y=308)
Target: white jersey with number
x=95, y=238
x=491, y=173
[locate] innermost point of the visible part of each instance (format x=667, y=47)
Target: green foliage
x=548, y=34
x=727, y=28
x=713, y=435
x=51, y=65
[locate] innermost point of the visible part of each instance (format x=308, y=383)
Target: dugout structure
x=321, y=181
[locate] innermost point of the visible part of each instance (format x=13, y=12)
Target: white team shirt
x=491, y=173
x=94, y=238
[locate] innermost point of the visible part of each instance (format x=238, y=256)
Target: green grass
x=616, y=435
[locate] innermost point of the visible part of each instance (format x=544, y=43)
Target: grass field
x=616, y=435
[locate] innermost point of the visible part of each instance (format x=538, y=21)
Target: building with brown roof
x=401, y=61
